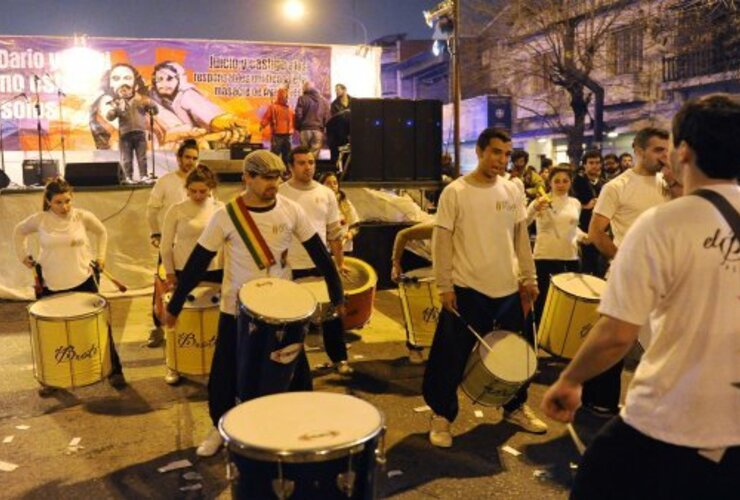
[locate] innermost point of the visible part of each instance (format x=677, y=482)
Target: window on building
x=625, y=50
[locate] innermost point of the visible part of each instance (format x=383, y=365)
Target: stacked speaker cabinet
x=395, y=140
x=96, y=173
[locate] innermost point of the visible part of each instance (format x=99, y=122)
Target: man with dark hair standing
x=480, y=231
x=587, y=188
x=519, y=160
x=620, y=203
x=678, y=435
x=611, y=167
x=311, y=115
x=625, y=162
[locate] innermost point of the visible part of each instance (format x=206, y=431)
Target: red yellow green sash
x=250, y=233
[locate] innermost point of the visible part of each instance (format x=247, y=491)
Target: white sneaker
x=525, y=418
x=439, y=432
x=343, y=368
x=210, y=445
x=416, y=356
x=171, y=377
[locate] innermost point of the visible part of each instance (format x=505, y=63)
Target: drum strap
x=720, y=203
x=250, y=233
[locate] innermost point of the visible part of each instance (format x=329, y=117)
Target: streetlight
x=294, y=10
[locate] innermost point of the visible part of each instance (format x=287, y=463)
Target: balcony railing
x=702, y=62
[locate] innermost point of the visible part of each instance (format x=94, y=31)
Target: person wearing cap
x=278, y=220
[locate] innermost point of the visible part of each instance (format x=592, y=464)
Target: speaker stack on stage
x=395, y=140
x=95, y=173
x=38, y=174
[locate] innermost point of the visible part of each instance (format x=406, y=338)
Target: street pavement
x=126, y=435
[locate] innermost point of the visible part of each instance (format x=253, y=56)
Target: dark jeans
x=592, y=262
x=332, y=330
x=453, y=343
x=623, y=463
x=546, y=269
x=89, y=285
x=604, y=389
x=133, y=142
x=281, y=146
x=223, y=380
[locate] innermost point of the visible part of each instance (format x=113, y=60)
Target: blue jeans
x=129, y=143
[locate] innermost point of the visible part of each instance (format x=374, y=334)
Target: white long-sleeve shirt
x=65, y=252
x=183, y=225
x=557, y=229
x=168, y=190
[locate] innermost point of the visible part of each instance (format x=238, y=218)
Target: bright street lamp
x=294, y=10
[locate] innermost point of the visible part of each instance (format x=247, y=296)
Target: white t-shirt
x=679, y=268
x=277, y=226
x=557, y=229
x=168, y=190
x=482, y=221
x=623, y=199
x=321, y=207
x=183, y=225
x=65, y=252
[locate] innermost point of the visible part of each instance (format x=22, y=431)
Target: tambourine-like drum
x=272, y=323
x=359, y=289
x=569, y=313
x=190, y=344
x=307, y=445
x=420, y=304
x=493, y=377
x=316, y=285
x=70, y=339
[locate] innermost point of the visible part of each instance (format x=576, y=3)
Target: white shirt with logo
x=679, y=268
x=278, y=227
x=168, y=190
x=482, y=221
x=321, y=207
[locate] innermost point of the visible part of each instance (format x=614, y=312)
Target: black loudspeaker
x=95, y=173
x=366, y=138
x=241, y=149
x=35, y=174
x=226, y=170
x=4, y=179
x=398, y=140
x=428, y=144
x=323, y=166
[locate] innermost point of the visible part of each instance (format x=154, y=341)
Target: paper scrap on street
x=394, y=473
x=359, y=356
x=513, y=451
x=422, y=409
x=192, y=487
x=478, y=413
x=75, y=442
x=192, y=476
x=311, y=348
x=8, y=439
x=7, y=466
x=23, y=427
x=542, y=474
x=178, y=464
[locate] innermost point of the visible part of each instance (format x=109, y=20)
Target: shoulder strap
x=724, y=207
x=250, y=233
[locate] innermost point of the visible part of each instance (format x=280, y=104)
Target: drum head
x=361, y=276
x=201, y=297
x=300, y=426
x=277, y=300
x=67, y=305
x=511, y=358
x=317, y=286
x=424, y=273
x=584, y=286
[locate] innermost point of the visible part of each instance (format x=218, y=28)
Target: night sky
x=328, y=21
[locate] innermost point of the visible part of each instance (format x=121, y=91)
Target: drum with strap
x=570, y=312
x=420, y=304
x=359, y=289
x=272, y=322
x=497, y=370
x=305, y=445
x=70, y=339
x=190, y=344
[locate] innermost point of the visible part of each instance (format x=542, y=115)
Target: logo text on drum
x=69, y=353
x=188, y=339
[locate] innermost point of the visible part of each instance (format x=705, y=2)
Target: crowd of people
x=669, y=259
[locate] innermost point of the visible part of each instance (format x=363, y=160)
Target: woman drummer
x=558, y=235
x=350, y=220
x=182, y=226
x=65, y=262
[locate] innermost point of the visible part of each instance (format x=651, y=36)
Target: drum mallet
x=472, y=330
x=121, y=287
x=576, y=440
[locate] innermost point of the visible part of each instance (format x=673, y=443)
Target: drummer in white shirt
x=65, y=261
x=678, y=435
x=183, y=225
x=558, y=235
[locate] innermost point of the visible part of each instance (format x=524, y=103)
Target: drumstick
x=121, y=287
x=472, y=330
x=576, y=440
x=590, y=289
x=38, y=287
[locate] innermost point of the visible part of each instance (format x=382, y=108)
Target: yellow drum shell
x=69, y=339
x=570, y=312
x=191, y=343
x=420, y=305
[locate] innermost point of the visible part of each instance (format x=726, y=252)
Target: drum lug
x=380, y=457
x=280, y=334
x=283, y=488
x=346, y=482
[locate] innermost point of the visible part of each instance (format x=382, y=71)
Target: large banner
x=214, y=91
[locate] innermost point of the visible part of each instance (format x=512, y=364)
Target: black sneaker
x=600, y=411
x=156, y=337
x=117, y=381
